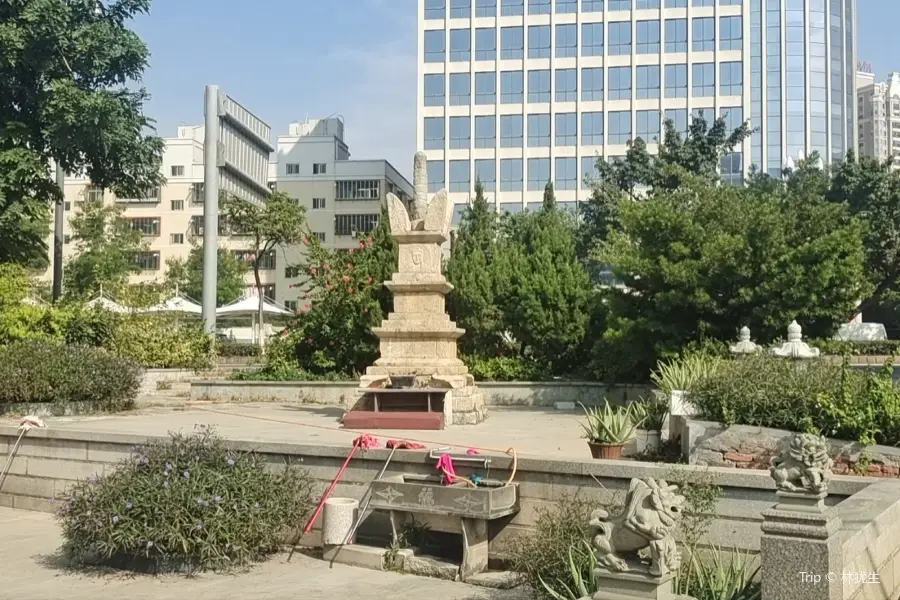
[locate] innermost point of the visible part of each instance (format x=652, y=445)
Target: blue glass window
x=676, y=81
x=619, y=83
x=538, y=7
x=539, y=86
x=731, y=78
x=734, y=117
x=732, y=168
x=704, y=34
x=703, y=3
x=434, y=89
x=460, y=45
x=731, y=33
x=647, y=82
x=459, y=176
x=539, y=41
x=679, y=119
x=512, y=87
x=566, y=40
x=435, y=46
x=435, y=169
x=592, y=5
x=566, y=6
x=592, y=39
x=619, y=127
x=676, y=35
x=486, y=173
x=676, y=3
x=566, y=85
x=512, y=131
x=486, y=43
x=592, y=128
x=592, y=84
x=620, y=38
x=566, y=173
x=486, y=88
x=566, y=130
x=460, y=9
x=460, y=133
x=619, y=5
x=512, y=43
x=435, y=9
x=703, y=80
x=648, y=124
x=538, y=131
x=485, y=8
x=730, y=2
x=538, y=173
x=647, y=37
x=589, y=171
x=647, y=4
x=511, y=175
x=460, y=89
x=485, y=131
x=512, y=7
x=434, y=133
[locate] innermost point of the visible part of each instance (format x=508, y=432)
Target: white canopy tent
x=249, y=307
x=107, y=303
x=177, y=303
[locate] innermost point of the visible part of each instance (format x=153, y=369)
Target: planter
x=647, y=440
x=679, y=404
x=607, y=451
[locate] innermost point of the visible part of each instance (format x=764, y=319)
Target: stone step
x=367, y=557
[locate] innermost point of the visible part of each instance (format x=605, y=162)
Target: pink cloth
x=366, y=441
x=472, y=451
x=404, y=445
x=445, y=466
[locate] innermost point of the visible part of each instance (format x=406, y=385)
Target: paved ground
x=31, y=570
x=537, y=432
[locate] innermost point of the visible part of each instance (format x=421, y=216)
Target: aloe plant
x=684, y=373
x=582, y=580
x=651, y=413
x=611, y=424
x=723, y=576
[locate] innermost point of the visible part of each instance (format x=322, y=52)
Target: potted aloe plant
x=609, y=428
x=676, y=378
x=651, y=414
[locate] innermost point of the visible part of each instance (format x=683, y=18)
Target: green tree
x=106, y=247
x=187, y=275
x=65, y=66
x=545, y=290
x=699, y=262
x=278, y=222
x=473, y=301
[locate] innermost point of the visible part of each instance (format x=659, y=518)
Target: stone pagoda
x=418, y=339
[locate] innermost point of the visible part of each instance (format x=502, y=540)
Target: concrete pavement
x=30, y=569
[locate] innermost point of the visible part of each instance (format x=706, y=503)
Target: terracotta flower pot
x=608, y=451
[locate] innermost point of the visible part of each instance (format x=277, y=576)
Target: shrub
x=185, y=502
x=162, y=342
x=91, y=327
x=505, y=368
x=861, y=348
x=542, y=556
x=288, y=372
x=230, y=348
x=718, y=575
x=49, y=372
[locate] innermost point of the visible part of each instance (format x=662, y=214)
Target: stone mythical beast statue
x=805, y=467
x=652, y=510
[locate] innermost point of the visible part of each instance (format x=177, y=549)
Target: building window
x=730, y=2
x=460, y=89
x=566, y=130
x=589, y=172
x=731, y=33
x=434, y=133
x=538, y=131
x=510, y=8
x=566, y=40
x=676, y=81
x=592, y=84
x=148, y=226
x=94, y=194
x=703, y=80
x=592, y=128
x=732, y=168
x=512, y=43
x=511, y=131
x=592, y=39
x=485, y=131
x=676, y=3
x=704, y=34
x=620, y=38
x=460, y=9
x=273, y=186
x=434, y=46
x=648, y=37
x=486, y=88
x=647, y=82
x=512, y=87
x=291, y=305
x=511, y=175
x=177, y=204
x=364, y=189
x=566, y=85
x=435, y=169
x=177, y=171
x=460, y=133
x=538, y=7
x=434, y=89
x=147, y=261
x=485, y=8
x=292, y=169
x=566, y=6
x=176, y=239
x=459, y=176
x=539, y=41
x=486, y=43
x=319, y=203
x=702, y=2
x=566, y=173
x=435, y=9
x=647, y=4
x=320, y=235
x=619, y=83
x=539, y=86
x=266, y=259
x=318, y=168
x=538, y=174
x=354, y=224
x=676, y=35
x=268, y=291
x=67, y=206
x=648, y=125
x=619, y=4
x=486, y=173
x=679, y=119
x=460, y=45
x=619, y=127
x=731, y=78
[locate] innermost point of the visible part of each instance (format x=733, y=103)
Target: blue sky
x=289, y=59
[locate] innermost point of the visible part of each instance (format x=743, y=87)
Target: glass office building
x=519, y=92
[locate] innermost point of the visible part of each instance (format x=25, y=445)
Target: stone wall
x=50, y=460
x=748, y=447
x=517, y=393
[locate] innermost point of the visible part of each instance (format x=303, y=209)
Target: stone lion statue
x=652, y=510
x=805, y=467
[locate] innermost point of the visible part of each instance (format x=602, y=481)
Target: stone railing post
x=800, y=550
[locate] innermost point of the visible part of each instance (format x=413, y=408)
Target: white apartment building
x=311, y=164
x=519, y=92
x=879, y=116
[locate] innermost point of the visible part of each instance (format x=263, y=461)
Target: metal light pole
x=59, y=219
x=210, y=207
